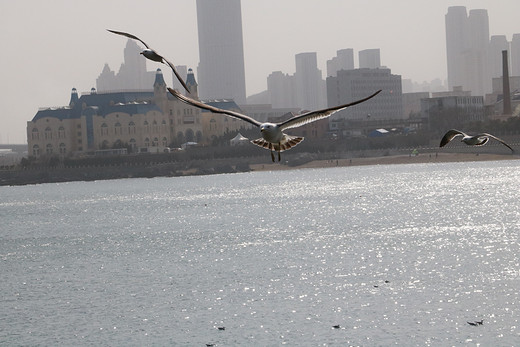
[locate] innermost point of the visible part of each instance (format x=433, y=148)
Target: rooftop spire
x=192, y=83
x=73, y=97
x=159, y=79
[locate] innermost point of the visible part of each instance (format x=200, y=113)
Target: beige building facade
x=140, y=121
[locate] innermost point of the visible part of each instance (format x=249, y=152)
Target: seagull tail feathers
x=288, y=142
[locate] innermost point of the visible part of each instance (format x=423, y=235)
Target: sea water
x=392, y=254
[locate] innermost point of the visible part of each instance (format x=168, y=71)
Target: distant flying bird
x=153, y=55
x=273, y=137
x=477, y=140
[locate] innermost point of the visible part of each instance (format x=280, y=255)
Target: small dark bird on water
x=336, y=326
x=221, y=328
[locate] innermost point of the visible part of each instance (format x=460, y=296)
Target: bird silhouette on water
x=476, y=323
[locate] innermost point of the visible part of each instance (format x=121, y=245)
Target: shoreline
x=389, y=160
x=58, y=175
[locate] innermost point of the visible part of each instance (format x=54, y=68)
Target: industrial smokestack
x=505, y=85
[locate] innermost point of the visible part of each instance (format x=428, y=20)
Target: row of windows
x=132, y=124
x=186, y=112
x=47, y=134
x=133, y=143
x=470, y=101
x=132, y=129
x=49, y=149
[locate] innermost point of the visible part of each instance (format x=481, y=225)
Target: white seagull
x=477, y=140
x=273, y=137
x=153, y=55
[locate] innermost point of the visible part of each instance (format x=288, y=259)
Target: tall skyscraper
x=221, y=71
x=456, y=27
x=478, y=73
x=310, y=88
x=370, y=59
x=467, y=44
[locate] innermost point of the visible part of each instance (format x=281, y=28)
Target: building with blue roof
x=138, y=120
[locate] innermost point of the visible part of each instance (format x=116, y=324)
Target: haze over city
x=52, y=47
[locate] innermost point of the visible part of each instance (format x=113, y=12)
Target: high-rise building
x=478, y=75
x=369, y=59
x=456, y=27
x=467, y=44
x=281, y=90
x=310, y=89
x=344, y=60
x=221, y=71
x=356, y=84
x=515, y=55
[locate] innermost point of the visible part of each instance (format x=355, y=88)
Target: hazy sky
x=52, y=46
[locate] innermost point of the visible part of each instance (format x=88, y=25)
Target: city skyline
x=71, y=51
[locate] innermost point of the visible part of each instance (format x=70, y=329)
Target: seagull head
x=271, y=132
x=152, y=55
x=268, y=128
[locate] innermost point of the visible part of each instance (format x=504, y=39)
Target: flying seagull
x=477, y=140
x=273, y=138
x=153, y=55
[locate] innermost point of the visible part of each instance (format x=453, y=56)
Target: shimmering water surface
x=394, y=255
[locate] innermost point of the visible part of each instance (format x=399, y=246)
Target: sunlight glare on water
x=394, y=255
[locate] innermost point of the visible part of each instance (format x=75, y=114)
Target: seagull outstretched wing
x=449, y=136
x=130, y=36
x=163, y=59
x=496, y=138
x=213, y=109
x=313, y=116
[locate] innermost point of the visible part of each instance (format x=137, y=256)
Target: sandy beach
x=388, y=160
